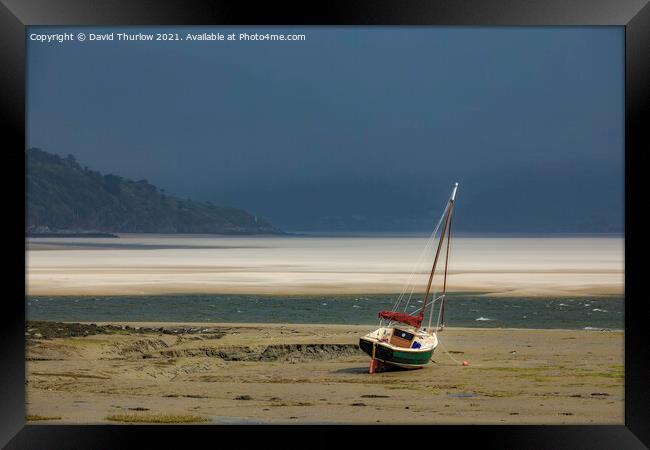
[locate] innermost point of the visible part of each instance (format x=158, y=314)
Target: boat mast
x=444, y=283
x=450, y=205
x=433, y=270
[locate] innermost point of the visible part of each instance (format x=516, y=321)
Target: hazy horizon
x=355, y=129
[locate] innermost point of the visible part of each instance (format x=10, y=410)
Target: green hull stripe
x=411, y=358
x=390, y=355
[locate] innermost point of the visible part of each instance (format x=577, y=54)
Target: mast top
x=453, y=194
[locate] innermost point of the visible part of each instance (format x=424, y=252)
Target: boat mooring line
x=464, y=363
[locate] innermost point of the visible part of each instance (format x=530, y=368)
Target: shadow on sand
x=364, y=369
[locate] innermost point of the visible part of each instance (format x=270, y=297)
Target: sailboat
x=401, y=340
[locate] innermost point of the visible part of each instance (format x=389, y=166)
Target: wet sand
x=154, y=264
x=273, y=373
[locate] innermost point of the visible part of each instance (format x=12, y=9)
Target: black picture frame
x=634, y=15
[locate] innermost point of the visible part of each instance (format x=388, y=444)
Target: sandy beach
x=164, y=264
x=273, y=373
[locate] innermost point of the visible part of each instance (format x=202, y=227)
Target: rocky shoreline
x=40, y=329
x=147, y=347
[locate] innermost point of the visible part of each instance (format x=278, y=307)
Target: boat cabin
x=404, y=339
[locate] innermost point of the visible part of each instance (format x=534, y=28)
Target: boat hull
x=393, y=356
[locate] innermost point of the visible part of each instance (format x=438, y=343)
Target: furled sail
x=402, y=317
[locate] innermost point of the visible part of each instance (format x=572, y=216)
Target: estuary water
x=461, y=310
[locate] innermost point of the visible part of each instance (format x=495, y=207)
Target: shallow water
x=461, y=310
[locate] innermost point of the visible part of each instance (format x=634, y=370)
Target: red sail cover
x=402, y=317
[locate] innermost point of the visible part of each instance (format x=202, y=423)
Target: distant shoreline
x=143, y=289
x=457, y=234
x=317, y=294
x=82, y=234
x=100, y=234
x=319, y=234
x=155, y=264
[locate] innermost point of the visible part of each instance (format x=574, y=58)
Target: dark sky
x=354, y=128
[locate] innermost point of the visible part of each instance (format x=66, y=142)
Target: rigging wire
x=442, y=303
x=417, y=266
x=416, y=269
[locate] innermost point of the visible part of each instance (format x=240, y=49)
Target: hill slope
x=61, y=195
